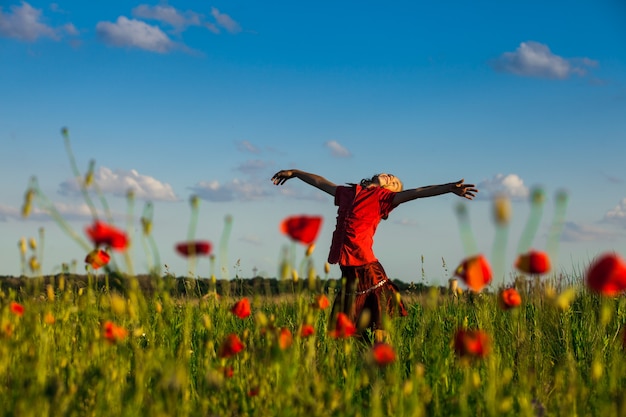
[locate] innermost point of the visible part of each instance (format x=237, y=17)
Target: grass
x=545, y=358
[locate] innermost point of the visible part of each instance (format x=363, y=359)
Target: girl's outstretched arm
x=459, y=188
x=312, y=179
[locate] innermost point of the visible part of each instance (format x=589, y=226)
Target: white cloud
x=169, y=15
x=135, y=34
x=119, y=182
x=24, y=23
x=617, y=215
x=235, y=190
x=69, y=212
x=225, y=21
x=510, y=185
x=533, y=59
x=252, y=167
x=245, y=146
x=337, y=149
x=575, y=232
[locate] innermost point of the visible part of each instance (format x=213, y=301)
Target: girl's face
x=388, y=181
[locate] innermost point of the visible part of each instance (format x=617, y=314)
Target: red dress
x=367, y=289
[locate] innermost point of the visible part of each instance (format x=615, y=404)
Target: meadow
x=551, y=344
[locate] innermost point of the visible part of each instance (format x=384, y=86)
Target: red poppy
x=285, y=338
x=97, y=258
x=228, y=371
x=253, y=392
x=475, y=272
x=344, y=327
x=194, y=248
x=241, y=308
x=303, y=229
x=607, y=275
x=533, y=262
x=231, y=346
x=16, y=308
x=321, y=302
x=104, y=234
x=112, y=332
x=307, y=330
x=383, y=354
x=471, y=343
x=509, y=298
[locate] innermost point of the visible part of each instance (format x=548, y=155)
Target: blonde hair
x=366, y=182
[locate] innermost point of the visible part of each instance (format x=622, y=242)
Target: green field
x=559, y=354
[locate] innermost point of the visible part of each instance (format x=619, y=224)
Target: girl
x=368, y=293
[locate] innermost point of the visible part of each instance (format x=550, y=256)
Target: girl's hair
x=366, y=182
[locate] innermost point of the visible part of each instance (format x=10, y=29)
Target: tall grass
x=546, y=358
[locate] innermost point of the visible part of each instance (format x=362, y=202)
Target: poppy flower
x=509, y=298
x=471, y=343
x=16, y=308
x=533, y=262
x=102, y=234
x=307, y=330
x=97, y=258
x=228, y=371
x=321, y=302
x=303, y=229
x=231, y=346
x=475, y=272
x=607, y=275
x=285, y=338
x=241, y=308
x=112, y=332
x=194, y=248
x=383, y=354
x=344, y=327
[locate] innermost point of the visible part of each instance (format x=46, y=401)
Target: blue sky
x=183, y=98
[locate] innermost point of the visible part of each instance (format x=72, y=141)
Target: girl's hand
x=464, y=190
x=281, y=176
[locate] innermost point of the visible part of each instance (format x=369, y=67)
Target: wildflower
x=509, y=298
x=383, y=354
x=34, y=264
x=285, y=338
x=28, y=202
x=344, y=327
x=475, y=272
x=228, y=371
x=471, y=343
x=49, y=318
x=97, y=258
x=303, y=229
x=253, y=392
x=241, y=308
x=22, y=245
x=321, y=302
x=309, y=250
x=533, y=262
x=113, y=333
x=307, y=330
x=104, y=234
x=326, y=268
x=16, y=308
x=231, y=346
x=607, y=275
x=502, y=210
x=194, y=248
